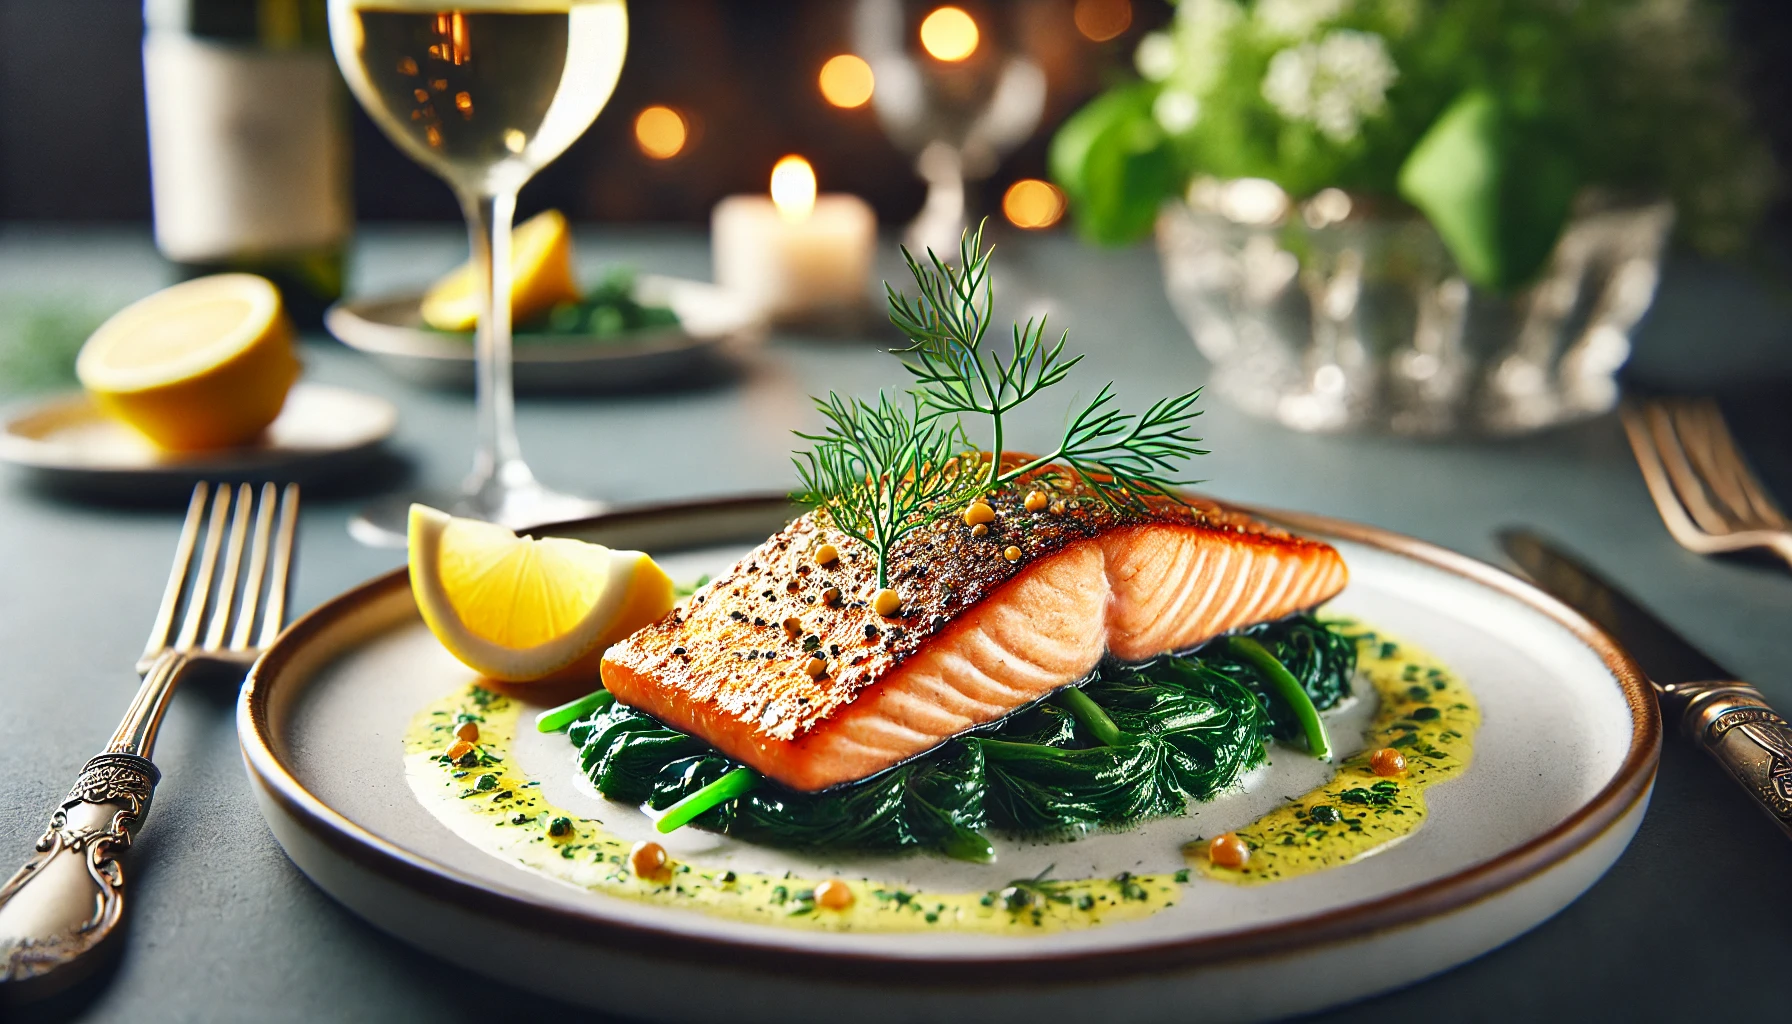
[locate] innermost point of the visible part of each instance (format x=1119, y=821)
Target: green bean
x=738, y=782
x=556, y=719
x=1091, y=716
x=1289, y=689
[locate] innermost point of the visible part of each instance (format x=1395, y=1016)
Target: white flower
x=1156, y=56
x=1335, y=84
x=1215, y=16
x=1176, y=110
x=1200, y=33
x=1295, y=19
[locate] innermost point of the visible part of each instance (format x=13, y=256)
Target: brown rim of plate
x=1441, y=896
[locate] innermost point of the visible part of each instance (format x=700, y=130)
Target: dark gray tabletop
x=227, y=929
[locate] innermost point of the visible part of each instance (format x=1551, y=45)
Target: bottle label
x=247, y=149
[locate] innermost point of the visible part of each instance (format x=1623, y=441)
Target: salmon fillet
x=978, y=635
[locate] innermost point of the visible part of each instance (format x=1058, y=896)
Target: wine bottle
x=248, y=144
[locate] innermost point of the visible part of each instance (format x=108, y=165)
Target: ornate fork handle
x=73, y=889
x=1736, y=725
x=69, y=897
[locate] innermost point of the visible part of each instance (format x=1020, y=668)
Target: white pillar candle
x=796, y=255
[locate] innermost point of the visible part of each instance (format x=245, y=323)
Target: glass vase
x=1335, y=315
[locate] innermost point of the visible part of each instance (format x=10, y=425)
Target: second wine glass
x=955, y=91
x=483, y=94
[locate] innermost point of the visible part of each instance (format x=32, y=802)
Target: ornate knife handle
x=1735, y=724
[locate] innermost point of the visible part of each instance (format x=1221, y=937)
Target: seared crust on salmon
x=978, y=635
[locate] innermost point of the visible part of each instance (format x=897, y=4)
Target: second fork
x=1705, y=491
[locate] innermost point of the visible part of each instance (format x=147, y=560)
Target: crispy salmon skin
x=978, y=634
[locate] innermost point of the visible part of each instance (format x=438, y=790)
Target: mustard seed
x=834, y=894
x=647, y=860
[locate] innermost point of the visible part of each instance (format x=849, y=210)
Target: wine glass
x=952, y=93
x=483, y=94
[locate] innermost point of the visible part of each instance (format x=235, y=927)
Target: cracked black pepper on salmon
x=978, y=634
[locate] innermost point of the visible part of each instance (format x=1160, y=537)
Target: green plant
x=39, y=340
x=1488, y=116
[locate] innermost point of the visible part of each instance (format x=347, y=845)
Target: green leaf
x=1115, y=164
x=1495, y=187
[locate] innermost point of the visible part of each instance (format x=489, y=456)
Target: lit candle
x=797, y=255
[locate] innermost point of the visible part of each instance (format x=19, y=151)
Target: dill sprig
x=880, y=470
x=945, y=329
x=1121, y=456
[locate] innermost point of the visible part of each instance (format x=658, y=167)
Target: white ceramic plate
x=390, y=328
x=67, y=441
x=1562, y=771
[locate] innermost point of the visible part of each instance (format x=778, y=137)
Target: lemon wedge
x=203, y=364
x=521, y=609
x=541, y=277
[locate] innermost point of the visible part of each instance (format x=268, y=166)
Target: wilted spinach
x=1192, y=725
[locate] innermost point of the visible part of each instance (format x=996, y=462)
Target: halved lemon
x=204, y=364
x=541, y=277
x=522, y=609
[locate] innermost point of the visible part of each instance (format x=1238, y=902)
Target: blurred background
x=1305, y=168
x=743, y=77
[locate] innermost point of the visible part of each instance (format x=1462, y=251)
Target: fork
x=68, y=899
x=1705, y=491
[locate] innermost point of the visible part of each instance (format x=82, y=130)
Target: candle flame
x=793, y=188
x=949, y=34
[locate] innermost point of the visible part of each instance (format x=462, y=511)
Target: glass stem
x=498, y=465
x=942, y=218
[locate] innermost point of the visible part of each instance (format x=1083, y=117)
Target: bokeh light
x=1102, y=20
x=1033, y=204
x=846, y=81
x=660, y=132
x=793, y=188
x=949, y=34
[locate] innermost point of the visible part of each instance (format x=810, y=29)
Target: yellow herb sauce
x=501, y=810
x=1426, y=713
x=510, y=819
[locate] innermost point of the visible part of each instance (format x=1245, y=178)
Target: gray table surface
x=227, y=929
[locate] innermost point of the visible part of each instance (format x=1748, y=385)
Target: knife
x=1730, y=719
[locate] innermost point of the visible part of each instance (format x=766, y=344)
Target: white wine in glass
x=484, y=94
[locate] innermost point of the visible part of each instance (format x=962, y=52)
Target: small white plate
x=1563, y=766
x=711, y=319
x=67, y=440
